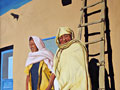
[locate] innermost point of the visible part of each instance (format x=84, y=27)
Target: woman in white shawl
x=38, y=65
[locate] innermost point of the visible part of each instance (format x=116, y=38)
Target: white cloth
x=41, y=54
x=56, y=85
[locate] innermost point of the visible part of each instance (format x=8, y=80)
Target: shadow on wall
x=93, y=68
x=94, y=73
x=109, y=50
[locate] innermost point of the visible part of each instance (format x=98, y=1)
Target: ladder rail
x=101, y=40
x=102, y=48
x=81, y=21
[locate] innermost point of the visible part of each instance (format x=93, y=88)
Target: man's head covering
x=41, y=54
x=62, y=31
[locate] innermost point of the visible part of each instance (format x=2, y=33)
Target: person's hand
x=27, y=80
x=48, y=88
x=52, y=77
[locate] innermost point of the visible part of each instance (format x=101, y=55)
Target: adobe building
x=42, y=18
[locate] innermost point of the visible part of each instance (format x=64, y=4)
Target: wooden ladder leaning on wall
x=101, y=40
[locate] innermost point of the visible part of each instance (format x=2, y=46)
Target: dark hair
x=30, y=38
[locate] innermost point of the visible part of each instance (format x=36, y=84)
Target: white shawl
x=41, y=54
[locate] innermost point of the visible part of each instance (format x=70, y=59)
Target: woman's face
x=32, y=45
x=65, y=38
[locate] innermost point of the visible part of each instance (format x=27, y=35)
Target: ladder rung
x=87, y=24
x=95, y=41
x=91, y=5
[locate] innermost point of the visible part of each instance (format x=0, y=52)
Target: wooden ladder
x=101, y=40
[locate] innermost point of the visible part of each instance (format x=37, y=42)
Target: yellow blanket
x=70, y=67
x=44, y=76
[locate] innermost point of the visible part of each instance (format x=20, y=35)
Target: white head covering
x=41, y=54
x=38, y=42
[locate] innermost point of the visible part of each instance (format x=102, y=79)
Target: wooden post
x=102, y=49
x=81, y=21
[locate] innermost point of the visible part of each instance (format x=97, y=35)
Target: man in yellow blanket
x=38, y=65
x=70, y=62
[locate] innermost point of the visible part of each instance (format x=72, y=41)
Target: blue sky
x=6, y=5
